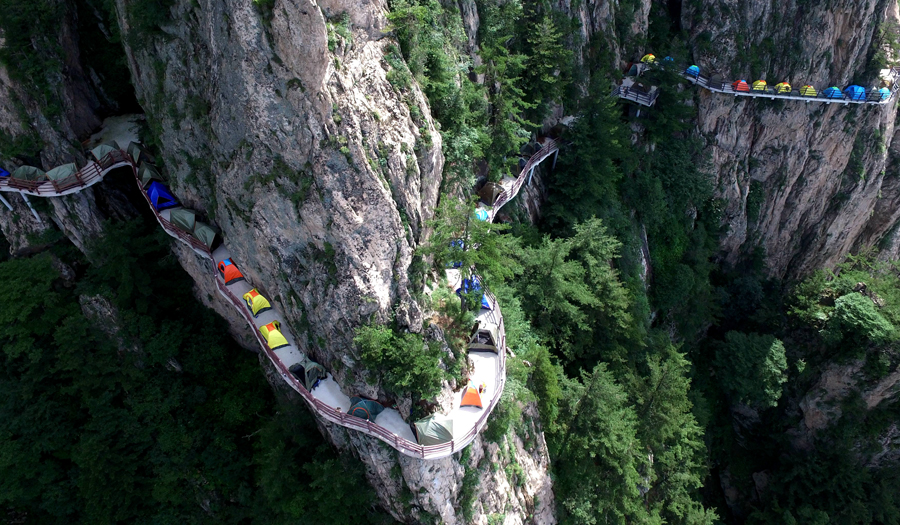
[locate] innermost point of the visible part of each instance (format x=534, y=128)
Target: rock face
x=807, y=182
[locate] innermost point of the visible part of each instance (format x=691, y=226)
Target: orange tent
x=229, y=272
x=740, y=85
x=471, y=398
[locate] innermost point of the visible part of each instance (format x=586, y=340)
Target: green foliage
x=751, y=367
x=856, y=318
x=405, y=363
x=548, y=65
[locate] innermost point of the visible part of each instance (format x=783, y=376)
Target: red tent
x=471, y=398
x=229, y=272
x=741, y=85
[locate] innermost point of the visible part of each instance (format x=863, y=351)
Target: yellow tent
x=273, y=335
x=759, y=85
x=256, y=302
x=808, y=91
x=782, y=87
x=649, y=58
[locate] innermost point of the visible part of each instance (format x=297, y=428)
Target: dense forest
x=657, y=385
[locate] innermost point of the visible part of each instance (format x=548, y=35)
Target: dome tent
x=274, y=338
x=485, y=339
x=62, y=172
x=364, y=408
x=204, y=233
x=855, y=92
x=184, y=219
x=782, y=87
x=481, y=214
x=740, y=85
x=884, y=93
x=4, y=173
x=308, y=372
x=471, y=285
x=833, y=92
x=490, y=192
x=138, y=153
x=160, y=197
x=471, y=398
x=229, y=272
x=433, y=430
x=759, y=85
x=256, y=303
x=148, y=174
x=808, y=91
x=103, y=150
x=649, y=58
x=692, y=71
x=29, y=173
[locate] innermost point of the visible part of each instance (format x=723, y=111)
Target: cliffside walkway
x=326, y=399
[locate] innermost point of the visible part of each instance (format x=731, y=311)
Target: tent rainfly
x=160, y=197
x=29, y=173
x=204, y=233
x=855, y=92
x=471, y=285
x=490, y=192
x=649, y=58
x=138, y=153
x=4, y=173
x=759, y=85
x=256, y=302
x=481, y=215
x=433, y=430
x=62, y=172
x=229, y=272
x=885, y=93
x=148, y=174
x=364, y=408
x=103, y=150
x=692, y=71
x=310, y=373
x=833, y=92
x=808, y=91
x=274, y=338
x=740, y=85
x=471, y=398
x=782, y=87
x=183, y=218
x=485, y=339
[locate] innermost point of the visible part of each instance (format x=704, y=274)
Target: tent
x=229, y=272
x=148, y=173
x=490, y=192
x=884, y=92
x=649, y=58
x=4, y=173
x=103, y=150
x=160, y=197
x=782, y=87
x=309, y=373
x=716, y=81
x=833, y=92
x=633, y=70
x=433, y=430
x=274, y=338
x=485, y=339
x=472, y=285
x=740, y=85
x=808, y=91
x=456, y=246
x=29, y=173
x=759, y=85
x=855, y=92
x=256, y=302
x=204, y=233
x=62, y=172
x=364, y=408
x=471, y=398
x=481, y=214
x=183, y=218
x=692, y=71
x=138, y=153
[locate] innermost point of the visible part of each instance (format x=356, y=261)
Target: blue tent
x=160, y=196
x=455, y=246
x=885, y=93
x=855, y=92
x=481, y=215
x=692, y=71
x=472, y=285
x=4, y=173
x=832, y=92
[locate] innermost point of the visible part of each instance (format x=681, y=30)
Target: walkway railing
x=636, y=95
x=94, y=172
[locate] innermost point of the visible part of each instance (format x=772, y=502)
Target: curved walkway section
x=326, y=398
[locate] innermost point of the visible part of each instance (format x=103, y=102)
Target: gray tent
x=138, y=153
x=103, y=150
x=62, y=172
x=183, y=218
x=204, y=232
x=433, y=430
x=490, y=192
x=308, y=372
x=29, y=173
x=365, y=408
x=148, y=173
x=485, y=339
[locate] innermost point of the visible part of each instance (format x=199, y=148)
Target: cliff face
x=806, y=182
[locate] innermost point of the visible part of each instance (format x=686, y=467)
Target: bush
x=407, y=364
x=856, y=317
x=751, y=367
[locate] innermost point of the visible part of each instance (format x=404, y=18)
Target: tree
x=752, y=368
x=548, y=67
x=856, y=318
x=405, y=362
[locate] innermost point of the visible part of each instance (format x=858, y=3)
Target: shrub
x=406, y=364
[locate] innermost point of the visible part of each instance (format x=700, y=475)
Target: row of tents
x=853, y=92
x=32, y=173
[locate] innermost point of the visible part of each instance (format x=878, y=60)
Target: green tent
x=62, y=172
x=205, y=233
x=148, y=173
x=434, y=430
x=364, y=408
x=183, y=218
x=103, y=150
x=29, y=173
x=138, y=153
x=485, y=339
x=308, y=372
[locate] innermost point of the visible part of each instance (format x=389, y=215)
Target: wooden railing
x=86, y=176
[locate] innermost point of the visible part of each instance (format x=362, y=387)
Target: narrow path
x=327, y=399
